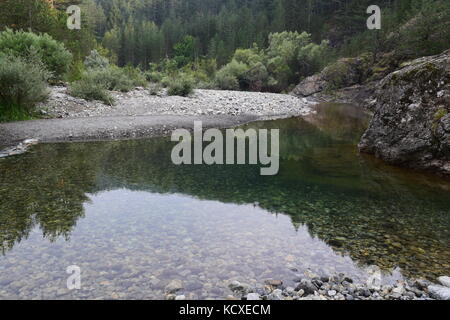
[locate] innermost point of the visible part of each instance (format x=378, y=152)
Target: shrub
x=257, y=77
x=95, y=83
x=22, y=84
x=313, y=58
x=76, y=71
x=114, y=79
x=88, y=88
x=226, y=81
x=248, y=56
x=153, y=76
x=53, y=54
x=293, y=55
x=166, y=81
x=181, y=85
x=136, y=76
x=154, y=88
x=94, y=60
x=229, y=77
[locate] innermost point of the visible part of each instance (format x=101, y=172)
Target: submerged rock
x=439, y=292
x=307, y=286
x=411, y=124
x=174, y=286
x=236, y=286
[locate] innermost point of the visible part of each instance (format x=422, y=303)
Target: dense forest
x=259, y=45
x=144, y=31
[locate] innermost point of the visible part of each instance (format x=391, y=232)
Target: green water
x=133, y=221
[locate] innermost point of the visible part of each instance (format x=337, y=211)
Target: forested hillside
x=258, y=45
x=143, y=31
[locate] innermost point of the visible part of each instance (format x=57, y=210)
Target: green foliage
x=28, y=45
x=442, y=112
x=154, y=89
x=95, y=83
x=226, y=81
x=153, y=76
x=137, y=77
x=90, y=88
x=36, y=15
x=257, y=77
x=184, y=51
x=249, y=57
x=335, y=74
x=22, y=85
x=94, y=60
x=292, y=56
x=181, y=85
x=198, y=37
x=230, y=75
x=76, y=71
x=14, y=113
x=313, y=57
x=427, y=32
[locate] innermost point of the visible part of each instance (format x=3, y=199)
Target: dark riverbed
x=133, y=222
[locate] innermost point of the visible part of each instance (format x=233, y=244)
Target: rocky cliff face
x=345, y=72
x=411, y=124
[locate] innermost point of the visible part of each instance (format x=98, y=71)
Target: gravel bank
x=137, y=114
x=201, y=102
x=104, y=128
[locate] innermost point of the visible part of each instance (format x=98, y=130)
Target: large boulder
x=310, y=85
x=343, y=73
x=411, y=124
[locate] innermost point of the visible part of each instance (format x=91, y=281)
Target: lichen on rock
x=411, y=124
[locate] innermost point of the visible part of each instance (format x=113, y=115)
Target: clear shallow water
x=133, y=221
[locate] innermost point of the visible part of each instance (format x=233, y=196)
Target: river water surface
x=133, y=221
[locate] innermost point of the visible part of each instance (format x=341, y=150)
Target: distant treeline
x=138, y=32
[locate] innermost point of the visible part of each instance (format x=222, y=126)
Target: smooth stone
x=253, y=296
x=307, y=286
x=445, y=281
x=290, y=290
x=174, y=286
x=399, y=290
x=180, y=297
x=276, y=295
x=439, y=292
x=274, y=283
x=332, y=293
x=237, y=286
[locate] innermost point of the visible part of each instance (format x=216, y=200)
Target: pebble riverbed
x=201, y=102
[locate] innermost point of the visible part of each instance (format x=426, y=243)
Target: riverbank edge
x=336, y=287
x=15, y=137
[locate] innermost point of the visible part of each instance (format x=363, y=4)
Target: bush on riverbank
x=30, y=46
x=95, y=83
x=182, y=85
x=22, y=85
x=90, y=88
x=289, y=57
